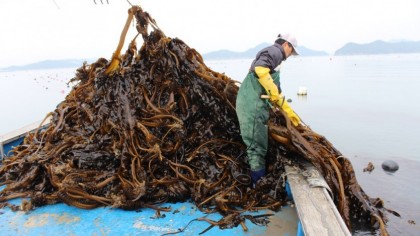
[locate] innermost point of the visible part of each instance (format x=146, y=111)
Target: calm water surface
x=28, y=96
x=368, y=107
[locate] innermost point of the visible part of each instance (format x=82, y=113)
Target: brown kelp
x=157, y=125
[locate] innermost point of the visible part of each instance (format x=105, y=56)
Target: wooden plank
x=17, y=134
x=316, y=210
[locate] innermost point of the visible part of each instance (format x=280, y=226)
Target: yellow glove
x=289, y=111
x=267, y=82
x=270, y=87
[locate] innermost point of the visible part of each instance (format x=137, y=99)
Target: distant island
x=373, y=48
x=47, y=64
x=250, y=53
x=376, y=47
x=379, y=47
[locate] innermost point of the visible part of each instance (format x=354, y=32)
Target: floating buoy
x=390, y=166
x=302, y=91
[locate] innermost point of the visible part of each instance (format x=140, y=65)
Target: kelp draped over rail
x=157, y=125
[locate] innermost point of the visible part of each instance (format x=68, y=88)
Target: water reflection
x=302, y=98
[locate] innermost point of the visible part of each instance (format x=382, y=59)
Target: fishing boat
x=311, y=211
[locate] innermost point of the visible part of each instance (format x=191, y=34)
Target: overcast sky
x=38, y=30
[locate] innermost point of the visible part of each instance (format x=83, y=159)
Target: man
x=253, y=111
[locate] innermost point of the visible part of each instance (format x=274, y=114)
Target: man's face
x=288, y=49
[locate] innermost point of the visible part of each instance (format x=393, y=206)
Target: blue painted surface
x=68, y=220
x=300, y=229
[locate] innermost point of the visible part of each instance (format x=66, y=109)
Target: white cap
x=291, y=39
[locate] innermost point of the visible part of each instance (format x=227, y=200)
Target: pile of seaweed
x=157, y=125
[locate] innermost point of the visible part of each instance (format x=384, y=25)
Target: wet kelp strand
x=156, y=125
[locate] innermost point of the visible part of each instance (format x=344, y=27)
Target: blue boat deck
x=61, y=219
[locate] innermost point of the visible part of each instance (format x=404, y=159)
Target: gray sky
x=38, y=30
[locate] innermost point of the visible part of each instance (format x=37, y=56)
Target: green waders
x=253, y=114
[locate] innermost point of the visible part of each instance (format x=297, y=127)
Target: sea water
x=368, y=107
x=28, y=96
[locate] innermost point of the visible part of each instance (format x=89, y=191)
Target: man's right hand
x=284, y=105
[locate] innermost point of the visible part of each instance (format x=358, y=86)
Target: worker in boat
x=253, y=111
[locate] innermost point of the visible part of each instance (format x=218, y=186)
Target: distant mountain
x=250, y=53
x=227, y=54
x=379, y=47
x=304, y=51
x=376, y=47
x=48, y=64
